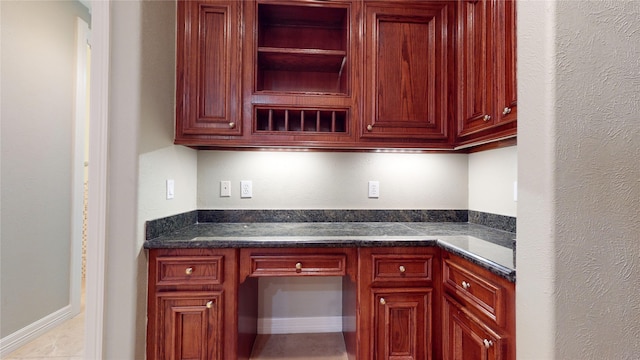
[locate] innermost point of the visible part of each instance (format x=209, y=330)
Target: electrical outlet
x=225, y=188
x=374, y=189
x=170, y=189
x=246, y=189
x=515, y=191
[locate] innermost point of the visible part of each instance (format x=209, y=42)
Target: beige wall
x=579, y=206
x=323, y=180
x=492, y=175
x=38, y=83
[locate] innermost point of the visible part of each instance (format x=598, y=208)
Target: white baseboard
x=300, y=325
x=30, y=332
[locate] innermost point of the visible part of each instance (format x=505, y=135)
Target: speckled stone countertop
x=490, y=248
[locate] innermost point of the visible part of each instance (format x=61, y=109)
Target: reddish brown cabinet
x=397, y=302
x=345, y=74
x=486, y=70
x=208, y=84
x=408, y=62
x=192, y=300
x=478, y=312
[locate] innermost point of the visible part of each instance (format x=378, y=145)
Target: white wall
x=579, y=206
x=38, y=82
x=492, y=175
x=324, y=180
x=141, y=158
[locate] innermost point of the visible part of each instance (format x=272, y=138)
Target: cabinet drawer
x=189, y=270
x=298, y=265
x=479, y=292
x=403, y=268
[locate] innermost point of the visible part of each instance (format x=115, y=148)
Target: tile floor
x=322, y=346
x=66, y=341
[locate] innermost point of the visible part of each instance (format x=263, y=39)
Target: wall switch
x=225, y=188
x=171, y=185
x=515, y=191
x=374, y=189
x=246, y=189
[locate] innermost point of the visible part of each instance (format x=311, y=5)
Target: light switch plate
x=225, y=188
x=171, y=188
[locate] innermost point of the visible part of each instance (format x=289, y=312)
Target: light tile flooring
x=66, y=341
x=321, y=346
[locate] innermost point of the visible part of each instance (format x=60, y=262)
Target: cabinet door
x=467, y=338
x=402, y=324
x=189, y=325
x=507, y=110
x=208, y=71
x=475, y=66
x=407, y=59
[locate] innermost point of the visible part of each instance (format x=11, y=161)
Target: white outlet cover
x=246, y=189
x=374, y=189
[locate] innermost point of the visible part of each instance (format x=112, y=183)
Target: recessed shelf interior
x=307, y=120
x=302, y=48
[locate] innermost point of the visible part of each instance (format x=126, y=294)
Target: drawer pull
x=382, y=301
x=486, y=118
x=188, y=271
x=402, y=269
x=487, y=343
x=298, y=267
x=506, y=111
x=210, y=305
x=466, y=285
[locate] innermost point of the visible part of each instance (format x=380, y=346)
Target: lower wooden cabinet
x=189, y=325
x=402, y=323
x=410, y=303
x=468, y=338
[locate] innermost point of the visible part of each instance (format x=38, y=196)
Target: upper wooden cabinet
x=208, y=71
x=486, y=70
x=408, y=62
x=344, y=74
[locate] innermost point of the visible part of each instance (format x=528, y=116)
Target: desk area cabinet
x=397, y=302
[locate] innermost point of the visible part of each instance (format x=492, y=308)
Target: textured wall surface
x=598, y=179
x=579, y=178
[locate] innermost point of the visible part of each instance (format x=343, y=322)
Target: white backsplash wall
x=491, y=177
x=338, y=180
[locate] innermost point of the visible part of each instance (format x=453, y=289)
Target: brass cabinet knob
x=209, y=304
x=487, y=343
x=232, y=125
x=382, y=301
x=506, y=111
x=402, y=269
x=298, y=266
x=466, y=285
x=486, y=118
x=369, y=127
x=188, y=271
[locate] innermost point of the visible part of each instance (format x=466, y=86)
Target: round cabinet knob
x=298, y=266
x=232, y=125
x=402, y=269
x=369, y=127
x=506, y=111
x=382, y=301
x=466, y=285
x=486, y=118
x=487, y=343
x=188, y=271
x=209, y=304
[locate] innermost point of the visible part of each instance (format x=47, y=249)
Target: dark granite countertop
x=493, y=249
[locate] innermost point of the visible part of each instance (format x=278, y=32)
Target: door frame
x=98, y=152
